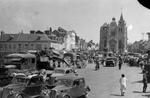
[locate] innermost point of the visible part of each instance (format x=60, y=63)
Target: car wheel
x=19, y=96
x=83, y=96
x=66, y=96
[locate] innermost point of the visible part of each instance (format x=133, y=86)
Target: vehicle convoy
x=5, y=76
x=77, y=60
x=63, y=72
x=69, y=87
x=25, y=87
x=21, y=60
x=147, y=69
x=111, y=61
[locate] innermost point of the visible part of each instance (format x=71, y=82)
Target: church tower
x=113, y=36
x=122, y=35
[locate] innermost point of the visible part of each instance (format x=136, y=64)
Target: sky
x=83, y=16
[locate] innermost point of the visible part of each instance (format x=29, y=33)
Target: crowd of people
x=140, y=62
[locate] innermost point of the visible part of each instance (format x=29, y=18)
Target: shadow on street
x=115, y=95
x=148, y=96
x=140, y=81
x=137, y=92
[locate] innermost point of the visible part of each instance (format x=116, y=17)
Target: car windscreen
x=19, y=80
x=59, y=71
x=3, y=71
x=66, y=82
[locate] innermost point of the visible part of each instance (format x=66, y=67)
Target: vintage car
x=5, y=76
x=69, y=87
x=51, y=63
x=63, y=71
x=147, y=69
x=24, y=87
x=111, y=61
x=21, y=60
x=58, y=72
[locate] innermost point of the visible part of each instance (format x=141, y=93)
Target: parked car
x=69, y=87
x=58, y=72
x=5, y=76
x=111, y=61
x=63, y=71
x=24, y=87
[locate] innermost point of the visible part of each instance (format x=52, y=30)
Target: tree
x=90, y=43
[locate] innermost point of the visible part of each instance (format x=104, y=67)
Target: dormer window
x=10, y=38
x=38, y=38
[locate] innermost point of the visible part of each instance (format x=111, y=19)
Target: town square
x=74, y=49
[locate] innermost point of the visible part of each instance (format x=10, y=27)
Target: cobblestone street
x=104, y=83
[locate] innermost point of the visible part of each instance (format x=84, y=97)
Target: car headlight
x=11, y=92
x=45, y=92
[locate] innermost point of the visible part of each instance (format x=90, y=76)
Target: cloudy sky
x=83, y=16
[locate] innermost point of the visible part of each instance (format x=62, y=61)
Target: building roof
x=28, y=55
x=24, y=37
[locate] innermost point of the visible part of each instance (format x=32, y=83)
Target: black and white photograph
x=74, y=49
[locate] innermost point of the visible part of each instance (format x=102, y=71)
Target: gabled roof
x=24, y=37
x=28, y=55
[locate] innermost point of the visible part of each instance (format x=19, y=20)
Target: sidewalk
x=134, y=84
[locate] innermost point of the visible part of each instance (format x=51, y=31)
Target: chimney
x=50, y=29
x=2, y=33
x=32, y=32
x=148, y=36
x=47, y=32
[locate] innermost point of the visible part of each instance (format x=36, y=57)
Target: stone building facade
x=113, y=36
x=20, y=42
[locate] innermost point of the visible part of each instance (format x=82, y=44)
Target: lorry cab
x=21, y=60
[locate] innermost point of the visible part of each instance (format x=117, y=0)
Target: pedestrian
x=144, y=81
x=120, y=63
x=123, y=84
x=97, y=62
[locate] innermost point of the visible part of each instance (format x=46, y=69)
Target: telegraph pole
x=143, y=36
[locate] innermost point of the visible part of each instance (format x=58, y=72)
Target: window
x=113, y=33
x=67, y=71
x=0, y=46
x=76, y=83
x=32, y=45
x=14, y=46
x=105, y=43
x=81, y=81
x=26, y=45
x=39, y=46
x=120, y=29
x=5, y=46
x=33, y=60
x=19, y=45
x=9, y=46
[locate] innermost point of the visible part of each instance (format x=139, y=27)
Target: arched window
x=113, y=33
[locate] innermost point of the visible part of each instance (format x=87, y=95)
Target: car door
x=82, y=86
x=75, y=91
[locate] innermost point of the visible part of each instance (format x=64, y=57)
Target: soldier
x=144, y=81
x=120, y=63
x=97, y=66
